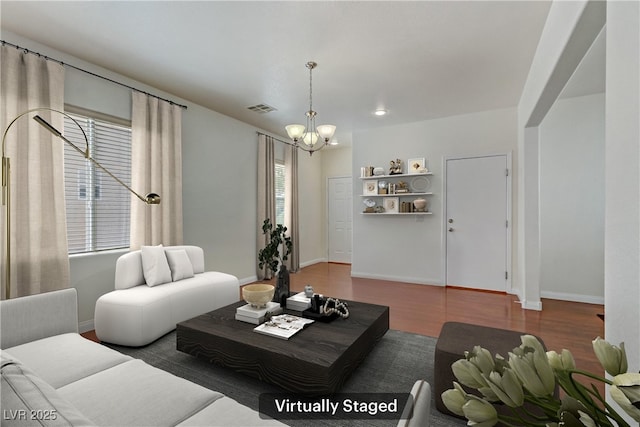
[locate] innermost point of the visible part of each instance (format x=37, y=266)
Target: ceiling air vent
x=261, y=108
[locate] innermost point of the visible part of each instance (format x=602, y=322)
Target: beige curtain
x=156, y=166
x=291, y=205
x=38, y=240
x=266, y=194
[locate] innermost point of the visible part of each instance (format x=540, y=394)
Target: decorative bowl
x=258, y=295
x=420, y=204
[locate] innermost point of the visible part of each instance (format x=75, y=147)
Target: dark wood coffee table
x=315, y=361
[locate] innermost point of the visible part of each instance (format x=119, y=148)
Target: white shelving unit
x=401, y=196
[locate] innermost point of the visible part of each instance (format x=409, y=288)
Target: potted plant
x=274, y=254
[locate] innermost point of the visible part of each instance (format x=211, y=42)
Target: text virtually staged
x=339, y=406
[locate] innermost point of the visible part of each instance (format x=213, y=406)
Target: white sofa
x=156, y=288
x=52, y=376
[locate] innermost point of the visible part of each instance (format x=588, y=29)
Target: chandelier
x=310, y=138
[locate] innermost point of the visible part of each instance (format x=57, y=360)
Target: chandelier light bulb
x=310, y=138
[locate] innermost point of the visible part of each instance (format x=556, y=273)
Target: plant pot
x=282, y=286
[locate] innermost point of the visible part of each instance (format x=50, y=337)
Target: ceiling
x=418, y=59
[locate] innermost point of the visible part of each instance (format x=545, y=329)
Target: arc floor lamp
x=150, y=199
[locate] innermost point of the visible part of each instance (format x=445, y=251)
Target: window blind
x=98, y=207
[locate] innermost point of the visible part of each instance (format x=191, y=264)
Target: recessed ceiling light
x=333, y=142
x=380, y=112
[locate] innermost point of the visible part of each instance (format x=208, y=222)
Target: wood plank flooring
x=423, y=309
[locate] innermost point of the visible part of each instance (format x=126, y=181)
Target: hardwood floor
x=423, y=309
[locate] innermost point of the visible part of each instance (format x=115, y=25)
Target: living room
x=219, y=189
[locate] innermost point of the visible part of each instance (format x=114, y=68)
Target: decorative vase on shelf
x=420, y=205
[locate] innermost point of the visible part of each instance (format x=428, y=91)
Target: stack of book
x=406, y=207
x=255, y=315
x=298, y=302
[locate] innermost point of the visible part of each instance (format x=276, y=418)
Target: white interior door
x=340, y=219
x=476, y=216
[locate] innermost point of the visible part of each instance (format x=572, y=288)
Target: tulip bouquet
x=527, y=381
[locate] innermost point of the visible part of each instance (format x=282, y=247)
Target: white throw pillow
x=180, y=264
x=155, y=266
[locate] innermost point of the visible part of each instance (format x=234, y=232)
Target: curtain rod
x=279, y=140
x=89, y=72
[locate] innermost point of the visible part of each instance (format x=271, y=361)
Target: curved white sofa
x=137, y=313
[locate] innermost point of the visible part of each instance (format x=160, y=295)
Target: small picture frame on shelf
x=390, y=204
x=416, y=165
x=370, y=187
x=395, y=167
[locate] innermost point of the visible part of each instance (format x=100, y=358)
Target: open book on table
x=283, y=326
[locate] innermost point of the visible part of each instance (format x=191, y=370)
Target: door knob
x=450, y=220
x=450, y=229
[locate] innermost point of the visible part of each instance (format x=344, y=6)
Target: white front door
x=476, y=216
x=340, y=219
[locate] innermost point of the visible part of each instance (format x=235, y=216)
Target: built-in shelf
x=391, y=202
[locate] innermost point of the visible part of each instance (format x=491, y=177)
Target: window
x=280, y=190
x=98, y=207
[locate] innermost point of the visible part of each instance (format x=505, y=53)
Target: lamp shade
x=295, y=132
x=326, y=131
x=310, y=138
x=153, y=199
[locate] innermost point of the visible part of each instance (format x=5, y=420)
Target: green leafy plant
x=278, y=247
x=530, y=375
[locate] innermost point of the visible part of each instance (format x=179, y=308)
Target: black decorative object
x=316, y=303
x=282, y=286
x=320, y=317
x=326, y=309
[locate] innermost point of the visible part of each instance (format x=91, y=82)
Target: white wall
x=219, y=184
x=336, y=162
x=622, y=214
x=569, y=32
x=311, y=208
x=219, y=190
x=572, y=200
x=409, y=248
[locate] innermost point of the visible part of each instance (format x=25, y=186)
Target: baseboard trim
x=252, y=279
x=403, y=279
x=564, y=296
x=312, y=262
x=531, y=305
x=248, y=280
x=86, y=326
